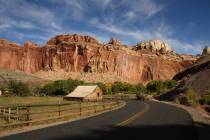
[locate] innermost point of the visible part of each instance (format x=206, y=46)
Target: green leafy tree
x=170, y=84
x=18, y=88
x=59, y=87
x=156, y=87
x=140, y=88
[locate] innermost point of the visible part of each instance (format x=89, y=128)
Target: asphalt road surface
x=136, y=121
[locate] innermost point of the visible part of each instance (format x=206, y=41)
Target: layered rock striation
x=76, y=56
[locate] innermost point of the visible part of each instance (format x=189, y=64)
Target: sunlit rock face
x=155, y=46
x=206, y=51
x=83, y=57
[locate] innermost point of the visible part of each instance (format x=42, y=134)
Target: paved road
x=137, y=120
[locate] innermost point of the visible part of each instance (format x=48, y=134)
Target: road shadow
x=144, y=132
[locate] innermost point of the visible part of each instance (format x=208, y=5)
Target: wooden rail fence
x=25, y=115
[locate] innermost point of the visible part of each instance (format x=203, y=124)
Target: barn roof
x=82, y=91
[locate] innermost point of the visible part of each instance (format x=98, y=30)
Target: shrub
x=140, y=88
x=156, y=87
x=106, y=88
x=140, y=96
x=189, y=97
x=59, y=87
x=205, y=99
x=169, y=84
x=18, y=88
x=122, y=87
x=3, y=90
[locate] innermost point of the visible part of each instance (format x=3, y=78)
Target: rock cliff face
x=84, y=57
x=194, y=77
x=155, y=46
x=206, y=51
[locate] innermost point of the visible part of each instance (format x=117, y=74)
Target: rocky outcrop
x=71, y=38
x=114, y=41
x=206, y=51
x=194, y=77
x=83, y=57
x=155, y=46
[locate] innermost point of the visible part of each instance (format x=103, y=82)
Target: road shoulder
x=200, y=120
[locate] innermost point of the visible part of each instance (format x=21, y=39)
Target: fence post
x=17, y=113
x=28, y=113
x=80, y=108
x=103, y=105
x=95, y=107
x=9, y=117
x=59, y=108
x=118, y=102
x=110, y=105
x=4, y=112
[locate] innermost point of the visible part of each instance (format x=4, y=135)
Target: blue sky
x=184, y=24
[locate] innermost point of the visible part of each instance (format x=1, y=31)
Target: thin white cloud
x=163, y=32
x=130, y=14
x=71, y=8
x=143, y=8
x=104, y=4
x=48, y=22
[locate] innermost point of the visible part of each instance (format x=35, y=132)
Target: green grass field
x=15, y=100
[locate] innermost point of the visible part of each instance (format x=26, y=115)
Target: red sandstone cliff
x=84, y=57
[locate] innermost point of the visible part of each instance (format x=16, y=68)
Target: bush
x=189, y=97
x=140, y=97
x=160, y=86
x=59, y=87
x=169, y=84
x=18, y=88
x=106, y=88
x=156, y=87
x=140, y=88
x=123, y=87
x=3, y=90
x=205, y=99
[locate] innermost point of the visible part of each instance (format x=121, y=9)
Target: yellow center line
x=134, y=117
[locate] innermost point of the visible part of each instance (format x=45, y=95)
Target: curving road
x=136, y=121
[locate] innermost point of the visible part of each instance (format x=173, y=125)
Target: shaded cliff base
x=86, y=77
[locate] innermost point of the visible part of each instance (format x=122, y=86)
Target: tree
x=156, y=87
x=59, y=87
x=106, y=88
x=170, y=84
x=140, y=88
x=18, y=88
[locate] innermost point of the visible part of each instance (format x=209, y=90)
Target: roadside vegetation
x=63, y=87
x=189, y=97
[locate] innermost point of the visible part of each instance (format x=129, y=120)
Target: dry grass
x=44, y=109
x=15, y=100
x=32, y=80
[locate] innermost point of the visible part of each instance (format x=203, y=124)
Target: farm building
x=85, y=93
